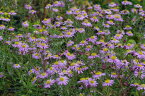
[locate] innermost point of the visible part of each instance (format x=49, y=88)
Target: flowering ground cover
x=72, y=48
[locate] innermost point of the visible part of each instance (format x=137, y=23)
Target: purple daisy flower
x=62, y=80
x=16, y=66
x=25, y=24
x=49, y=83
x=108, y=82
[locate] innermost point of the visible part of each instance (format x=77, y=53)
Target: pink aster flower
x=12, y=13
x=25, y=24
x=87, y=23
x=107, y=11
x=57, y=24
x=129, y=33
x=23, y=48
x=88, y=82
x=1, y=12
x=80, y=17
x=59, y=64
x=128, y=46
x=88, y=48
x=69, y=55
x=127, y=27
x=59, y=18
x=80, y=30
x=97, y=28
x=93, y=55
x=112, y=59
x=36, y=55
x=126, y=2
x=133, y=10
x=58, y=4
x=43, y=75
x=142, y=46
x=124, y=12
x=51, y=71
x=137, y=6
x=134, y=84
x=70, y=43
x=1, y=74
x=104, y=50
x=83, y=43
x=42, y=45
x=92, y=39
x=46, y=21
x=31, y=71
x=55, y=10
x=11, y=29
x=6, y=19
x=108, y=82
x=48, y=6
x=110, y=16
x=117, y=17
x=106, y=25
x=110, y=22
x=69, y=34
x=29, y=7
x=2, y=27
x=97, y=7
x=62, y=80
x=98, y=74
x=114, y=75
x=32, y=11
x=16, y=66
x=94, y=19
x=112, y=4
x=56, y=57
x=92, y=82
x=141, y=87
x=100, y=33
x=49, y=83
x=69, y=12
x=114, y=41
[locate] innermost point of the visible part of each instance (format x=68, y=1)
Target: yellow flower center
x=98, y=73
x=113, y=73
x=113, y=57
x=43, y=74
x=48, y=82
x=93, y=54
x=61, y=79
x=92, y=81
x=107, y=81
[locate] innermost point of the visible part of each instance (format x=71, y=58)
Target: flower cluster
x=92, y=45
